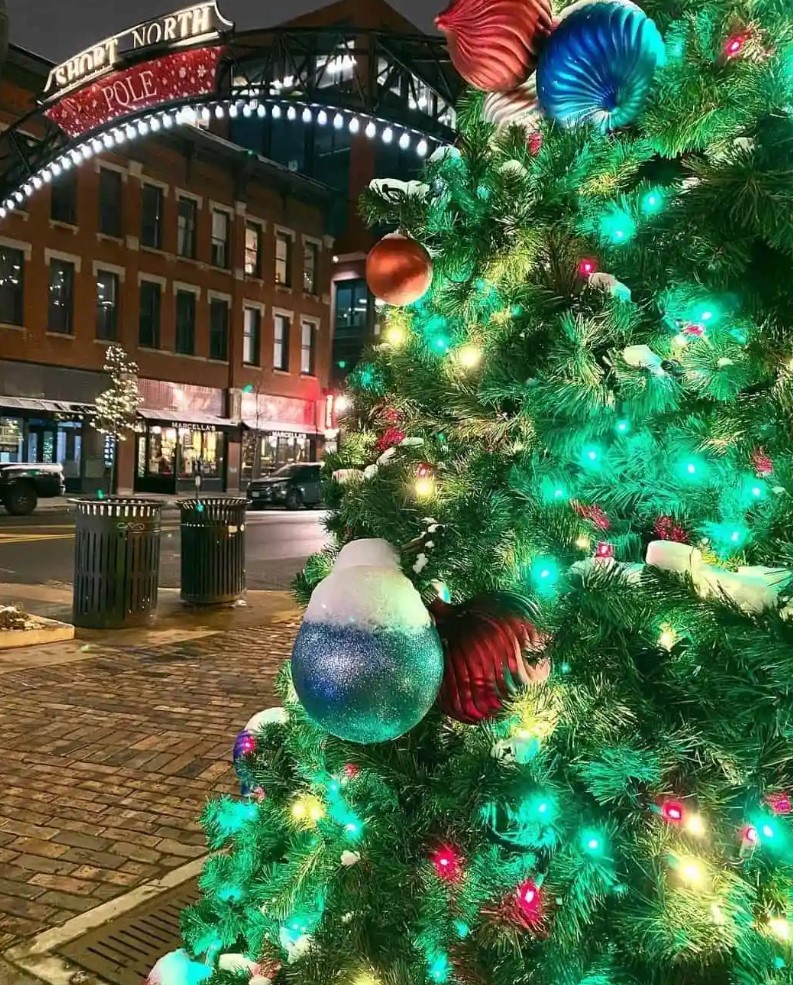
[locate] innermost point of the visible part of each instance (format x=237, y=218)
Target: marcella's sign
x=196, y=25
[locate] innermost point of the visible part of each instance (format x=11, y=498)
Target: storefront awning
x=187, y=418
x=35, y=405
x=265, y=425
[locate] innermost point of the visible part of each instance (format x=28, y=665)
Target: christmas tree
x=575, y=437
x=117, y=407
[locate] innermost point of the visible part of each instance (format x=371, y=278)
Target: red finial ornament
x=761, y=462
x=593, y=513
x=604, y=550
x=389, y=438
x=780, y=803
x=666, y=528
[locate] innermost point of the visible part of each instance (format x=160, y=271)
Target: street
x=39, y=549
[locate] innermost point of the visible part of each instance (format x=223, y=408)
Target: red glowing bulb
x=351, y=770
x=446, y=862
x=604, y=549
x=424, y=470
x=672, y=811
x=587, y=266
x=750, y=836
x=696, y=330
x=529, y=902
x=734, y=45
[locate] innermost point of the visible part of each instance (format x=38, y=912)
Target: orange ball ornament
x=398, y=270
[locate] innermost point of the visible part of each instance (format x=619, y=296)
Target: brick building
x=210, y=265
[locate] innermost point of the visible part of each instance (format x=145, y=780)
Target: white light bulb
x=56, y=168
x=371, y=130
x=108, y=140
x=276, y=112
x=388, y=135
x=3, y=212
x=291, y=113
x=46, y=176
x=322, y=117
x=87, y=151
x=247, y=109
x=130, y=132
x=75, y=156
x=205, y=114
x=143, y=128
x=37, y=182
x=307, y=116
x=219, y=112
x=96, y=145
x=261, y=111
x=404, y=141
x=155, y=125
x=355, y=124
x=27, y=189
x=338, y=121
x=422, y=148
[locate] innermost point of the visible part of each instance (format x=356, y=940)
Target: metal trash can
x=116, y=562
x=213, y=549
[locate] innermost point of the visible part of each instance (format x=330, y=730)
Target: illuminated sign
x=194, y=25
x=175, y=76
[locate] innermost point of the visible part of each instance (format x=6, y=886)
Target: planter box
x=45, y=631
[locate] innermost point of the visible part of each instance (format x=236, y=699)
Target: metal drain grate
x=124, y=951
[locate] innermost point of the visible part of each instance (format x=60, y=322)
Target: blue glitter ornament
x=598, y=64
x=367, y=662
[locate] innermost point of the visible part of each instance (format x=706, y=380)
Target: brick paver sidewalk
x=105, y=764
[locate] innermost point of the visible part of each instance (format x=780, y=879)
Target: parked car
x=23, y=484
x=291, y=486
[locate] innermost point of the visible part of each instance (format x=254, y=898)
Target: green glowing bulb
x=652, y=202
x=461, y=929
x=623, y=426
x=617, y=226
x=248, y=388
x=342, y=364
x=592, y=843
x=438, y=968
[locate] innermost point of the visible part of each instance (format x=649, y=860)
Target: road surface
x=39, y=549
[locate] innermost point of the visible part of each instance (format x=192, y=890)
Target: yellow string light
x=692, y=871
x=469, y=356
x=668, y=637
x=307, y=811
x=396, y=335
x=780, y=928
x=695, y=825
x=583, y=543
x=424, y=487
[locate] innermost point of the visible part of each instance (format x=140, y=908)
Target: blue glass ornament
x=363, y=685
x=598, y=64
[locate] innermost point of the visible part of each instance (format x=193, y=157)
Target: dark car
x=291, y=486
x=22, y=485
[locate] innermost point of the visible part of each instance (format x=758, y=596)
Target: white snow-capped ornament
x=348, y=859
x=295, y=947
x=236, y=963
x=395, y=186
x=178, y=968
x=643, y=357
x=609, y=284
x=348, y=477
x=518, y=749
x=445, y=152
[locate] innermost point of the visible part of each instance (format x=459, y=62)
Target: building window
x=281, y=343
x=106, y=304
x=61, y=297
x=12, y=286
x=110, y=199
x=253, y=249
x=218, y=329
x=151, y=216
x=308, y=346
x=185, y=323
x=63, y=200
x=187, y=224
x=352, y=299
x=310, y=263
x=149, y=323
x=251, y=336
x=283, y=256
x=220, y=238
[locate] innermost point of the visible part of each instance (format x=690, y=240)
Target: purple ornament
x=244, y=745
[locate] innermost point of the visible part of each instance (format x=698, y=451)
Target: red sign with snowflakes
x=175, y=76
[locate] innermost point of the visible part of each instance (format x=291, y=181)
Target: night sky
x=59, y=28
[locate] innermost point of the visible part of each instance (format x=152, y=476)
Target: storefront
x=182, y=436
x=45, y=417
x=171, y=453
x=276, y=431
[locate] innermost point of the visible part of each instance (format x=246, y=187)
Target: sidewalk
x=110, y=745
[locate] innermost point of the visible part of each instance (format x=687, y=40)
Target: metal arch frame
x=27, y=162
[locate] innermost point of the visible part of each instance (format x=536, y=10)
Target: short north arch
x=189, y=67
